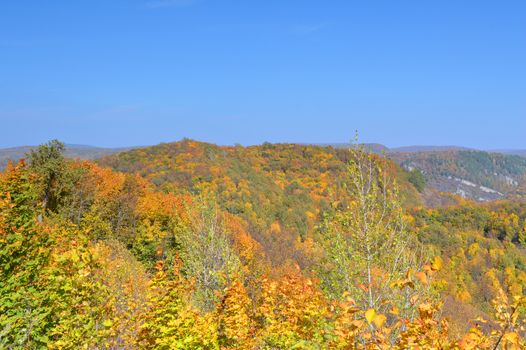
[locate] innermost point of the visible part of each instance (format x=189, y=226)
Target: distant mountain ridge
x=380, y=148
x=419, y=148
x=517, y=152
x=371, y=147
x=72, y=151
x=473, y=174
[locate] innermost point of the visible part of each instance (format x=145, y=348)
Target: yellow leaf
x=436, y=263
x=394, y=311
x=379, y=320
x=369, y=315
x=512, y=337
x=480, y=320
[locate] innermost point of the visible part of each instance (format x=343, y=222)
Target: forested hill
x=477, y=175
x=473, y=174
x=282, y=184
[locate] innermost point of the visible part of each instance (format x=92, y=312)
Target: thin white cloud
x=156, y=4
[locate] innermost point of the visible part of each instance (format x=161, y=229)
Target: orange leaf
x=422, y=277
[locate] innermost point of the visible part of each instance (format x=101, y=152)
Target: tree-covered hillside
x=195, y=246
x=286, y=186
x=477, y=175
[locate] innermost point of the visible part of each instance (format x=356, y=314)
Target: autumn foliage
x=318, y=251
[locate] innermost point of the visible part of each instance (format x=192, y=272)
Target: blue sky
x=139, y=72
